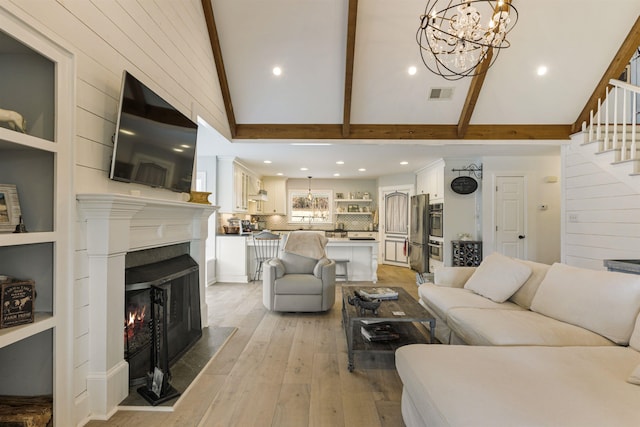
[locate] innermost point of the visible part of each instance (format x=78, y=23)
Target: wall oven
x=436, y=220
x=435, y=250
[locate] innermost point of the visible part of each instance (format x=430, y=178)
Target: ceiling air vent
x=440, y=93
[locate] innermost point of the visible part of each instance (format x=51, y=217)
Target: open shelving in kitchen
x=36, y=82
x=354, y=206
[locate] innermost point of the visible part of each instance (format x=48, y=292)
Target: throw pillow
x=498, y=277
x=634, y=378
x=275, y=262
x=317, y=270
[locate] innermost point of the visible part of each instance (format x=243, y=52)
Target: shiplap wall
x=601, y=218
x=165, y=44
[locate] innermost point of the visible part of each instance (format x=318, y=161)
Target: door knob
x=521, y=236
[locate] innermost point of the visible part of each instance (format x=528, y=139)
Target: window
x=318, y=210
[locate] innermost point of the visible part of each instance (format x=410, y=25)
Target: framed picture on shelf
x=9, y=208
x=339, y=196
x=353, y=208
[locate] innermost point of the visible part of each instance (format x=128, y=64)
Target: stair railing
x=609, y=124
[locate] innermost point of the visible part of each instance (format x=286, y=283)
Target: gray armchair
x=297, y=283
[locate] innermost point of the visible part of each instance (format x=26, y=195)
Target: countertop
x=623, y=265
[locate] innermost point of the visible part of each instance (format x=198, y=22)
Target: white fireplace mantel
x=115, y=224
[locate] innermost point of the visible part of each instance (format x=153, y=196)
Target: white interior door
x=510, y=221
x=394, y=225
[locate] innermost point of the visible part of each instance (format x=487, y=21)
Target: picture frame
x=353, y=208
x=339, y=196
x=9, y=208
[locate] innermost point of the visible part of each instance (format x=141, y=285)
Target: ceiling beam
x=348, y=78
x=619, y=62
x=472, y=96
x=217, y=58
x=403, y=132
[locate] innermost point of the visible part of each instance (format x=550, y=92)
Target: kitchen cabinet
x=234, y=184
x=430, y=180
x=276, y=188
x=37, y=81
x=395, y=251
x=232, y=259
x=256, y=207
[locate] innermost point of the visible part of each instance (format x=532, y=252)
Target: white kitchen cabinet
x=37, y=81
x=430, y=180
x=234, y=184
x=256, y=207
x=232, y=259
x=395, y=251
x=276, y=188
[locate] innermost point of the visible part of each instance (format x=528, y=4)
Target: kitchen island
x=236, y=258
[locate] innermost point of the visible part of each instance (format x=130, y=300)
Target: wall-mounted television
x=154, y=143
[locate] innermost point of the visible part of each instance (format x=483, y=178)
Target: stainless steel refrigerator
x=419, y=233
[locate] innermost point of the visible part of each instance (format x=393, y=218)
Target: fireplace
x=177, y=279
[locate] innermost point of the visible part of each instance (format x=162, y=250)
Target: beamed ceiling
x=344, y=72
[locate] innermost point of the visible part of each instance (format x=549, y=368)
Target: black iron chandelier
x=456, y=37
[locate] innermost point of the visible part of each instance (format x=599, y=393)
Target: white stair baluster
x=633, y=125
x=623, y=146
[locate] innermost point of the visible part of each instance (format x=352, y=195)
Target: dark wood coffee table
x=403, y=324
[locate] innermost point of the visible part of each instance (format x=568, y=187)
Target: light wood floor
x=284, y=370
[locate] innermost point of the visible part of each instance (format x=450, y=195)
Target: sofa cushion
x=442, y=299
x=298, y=284
x=634, y=341
x=525, y=294
x=296, y=264
x=498, y=277
x=454, y=277
x=604, y=302
x=520, y=386
x=477, y=326
x=634, y=378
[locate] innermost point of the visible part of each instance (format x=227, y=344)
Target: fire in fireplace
x=178, y=278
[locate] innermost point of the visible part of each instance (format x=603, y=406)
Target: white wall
x=601, y=218
x=542, y=226
x=165, y=44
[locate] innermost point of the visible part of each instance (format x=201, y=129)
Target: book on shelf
x=379, y=293
x=379, y=332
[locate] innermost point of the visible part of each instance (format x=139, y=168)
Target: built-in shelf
x=41, y=322
x=37, y=82
x=353, y=213
x=353, y=200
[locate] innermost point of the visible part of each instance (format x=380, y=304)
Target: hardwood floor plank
x=292, y=408
x=325, y=406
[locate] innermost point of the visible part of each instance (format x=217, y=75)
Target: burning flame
x=134, y=320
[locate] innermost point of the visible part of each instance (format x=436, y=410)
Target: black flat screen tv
x=154, y=143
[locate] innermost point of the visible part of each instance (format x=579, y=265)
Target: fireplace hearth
x=177, y=325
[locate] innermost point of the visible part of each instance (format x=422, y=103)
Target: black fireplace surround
x=179, y=276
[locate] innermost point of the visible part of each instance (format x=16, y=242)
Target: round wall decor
x=464, y=185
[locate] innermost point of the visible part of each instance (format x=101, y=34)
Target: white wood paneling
x=601, y=213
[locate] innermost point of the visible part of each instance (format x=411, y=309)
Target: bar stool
x=345, y=266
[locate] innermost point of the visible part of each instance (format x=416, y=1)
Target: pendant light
x=309, y=194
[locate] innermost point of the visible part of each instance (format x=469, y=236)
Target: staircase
x=613, y=132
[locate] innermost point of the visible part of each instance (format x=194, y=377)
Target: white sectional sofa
x=549, y=346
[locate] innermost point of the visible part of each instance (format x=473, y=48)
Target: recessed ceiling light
x=267, y=161
x=310, y=143
x=412, y=71
x=362, y=170
x=279, y=174
x=542, y=70
x=304, y=169
x=339, y=162
x=336, y=174
x=403, y=163
x=277, y=71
